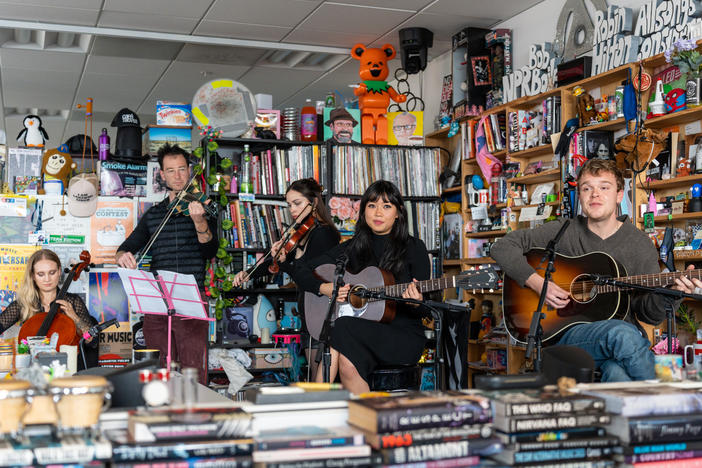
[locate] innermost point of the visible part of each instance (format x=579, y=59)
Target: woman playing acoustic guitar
x=38, y=290
x=381, y=239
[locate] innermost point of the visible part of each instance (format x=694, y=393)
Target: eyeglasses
x=406, y=128
x=180, y=170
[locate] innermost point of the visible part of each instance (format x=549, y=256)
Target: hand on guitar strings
x=412, y=292
x=688, y=285
x=556, y=297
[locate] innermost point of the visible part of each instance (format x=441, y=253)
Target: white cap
x=82, y=195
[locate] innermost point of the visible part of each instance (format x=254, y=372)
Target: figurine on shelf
x=487, y=319
x=683, y=167
x=586, y=106
x=695, y=204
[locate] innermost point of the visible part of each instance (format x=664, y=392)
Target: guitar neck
x=653, y=279
x=423, y=286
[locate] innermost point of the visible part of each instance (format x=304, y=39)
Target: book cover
x=550, y=421
x=537, y=402
x=452, y=230
x=555, y=455
x=416, y=410
x=648, y=429
x=339, y=462
x=179, y=424
x=313, y=453
x=649, y=400
x=602, y=441
x=662, y=456
x=126, y=452
x=442, y=450
x=428, y=436
x=308, y=437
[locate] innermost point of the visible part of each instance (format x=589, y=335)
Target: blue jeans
x=619, y=350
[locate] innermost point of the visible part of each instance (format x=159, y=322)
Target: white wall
x=535, y=25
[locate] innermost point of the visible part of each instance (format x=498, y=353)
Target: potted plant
x=684, y=55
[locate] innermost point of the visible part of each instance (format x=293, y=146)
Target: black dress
x=366, y=343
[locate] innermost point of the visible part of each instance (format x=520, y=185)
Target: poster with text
x=115, y=346
x=112, y=222
x=70, y=255
x=62, y=229
x=13, y=262
x=405, y=128
x=15, y=228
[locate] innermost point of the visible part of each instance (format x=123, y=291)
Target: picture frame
x=480, y=65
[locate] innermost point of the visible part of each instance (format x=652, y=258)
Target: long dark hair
x=312, y=191
x=360, y=250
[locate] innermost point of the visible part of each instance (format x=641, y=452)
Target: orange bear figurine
x=374, y=92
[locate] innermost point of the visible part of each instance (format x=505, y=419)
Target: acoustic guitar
x=377, y=280
x=588, y=302
x=48, y=323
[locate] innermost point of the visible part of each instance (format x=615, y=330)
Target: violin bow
x=179, y=197
x=288, y=234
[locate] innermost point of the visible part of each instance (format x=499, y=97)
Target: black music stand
x=536, y=332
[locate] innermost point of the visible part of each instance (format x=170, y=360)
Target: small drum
x=79, y=400
x=13, y=405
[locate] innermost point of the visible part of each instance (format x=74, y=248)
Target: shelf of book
x=614, y=75
x=527, y=102
x=533, y=152
x=544, y=176
x=483, y=234
x=670, y=183
x=477, y=261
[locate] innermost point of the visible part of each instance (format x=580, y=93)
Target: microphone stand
x=435, y=307
x=325, y=333
x=671, y=293
x=536, y=332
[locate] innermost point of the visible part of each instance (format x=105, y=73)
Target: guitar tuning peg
x=474, y=291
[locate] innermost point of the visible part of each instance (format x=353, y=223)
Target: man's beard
x=343, y=137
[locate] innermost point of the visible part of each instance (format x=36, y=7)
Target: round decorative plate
x=226, y=105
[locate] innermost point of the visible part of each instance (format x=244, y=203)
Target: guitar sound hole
x=582, y=289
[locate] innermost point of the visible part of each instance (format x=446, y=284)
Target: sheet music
x=145, y=295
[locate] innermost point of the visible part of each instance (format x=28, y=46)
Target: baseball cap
x=82, y=195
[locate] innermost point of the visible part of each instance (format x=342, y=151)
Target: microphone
x=366, y=293
x=95, y=330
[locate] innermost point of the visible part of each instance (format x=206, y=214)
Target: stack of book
x=198, y=437
x=658, y=424
x=445, y=429
x=541, y=428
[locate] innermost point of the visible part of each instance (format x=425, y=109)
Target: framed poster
x=481, y=70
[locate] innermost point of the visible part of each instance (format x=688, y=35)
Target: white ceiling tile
x=278, y=83
x=354, y=19
x=502, y=9
x=414, y=5
x=49, y=90
x=147, y=22
x=82, y=4
x=270, y=12
x=242, y=30
x=41, y=60
x=329, y=38
x=182, y=8
x=135, y=48
x=112, y=92
x=224, y=55
x=125, y=66
x=49, y=13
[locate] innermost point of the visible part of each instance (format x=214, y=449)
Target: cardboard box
x=173, y=113
x=269, y=358
x=156, y=136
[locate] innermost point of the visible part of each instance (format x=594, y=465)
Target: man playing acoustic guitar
x=619, y=347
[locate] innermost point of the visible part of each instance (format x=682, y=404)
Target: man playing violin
x=185, y=245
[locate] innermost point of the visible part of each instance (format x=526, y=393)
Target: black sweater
x=176, y=247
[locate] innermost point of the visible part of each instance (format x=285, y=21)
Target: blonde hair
x=28, y=293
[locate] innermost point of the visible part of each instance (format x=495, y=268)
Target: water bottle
x=245, y=185
x=104, y=146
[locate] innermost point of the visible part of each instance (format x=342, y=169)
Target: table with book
x=639, y=424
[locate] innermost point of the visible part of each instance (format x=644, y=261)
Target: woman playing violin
x=304, y=199
x=185, y=244
x=38, y=290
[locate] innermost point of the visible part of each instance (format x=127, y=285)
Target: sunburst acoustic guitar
x=588, y=302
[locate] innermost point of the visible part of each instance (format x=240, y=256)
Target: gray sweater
x=629, y=246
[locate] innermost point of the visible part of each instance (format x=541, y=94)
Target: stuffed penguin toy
x=33, y=134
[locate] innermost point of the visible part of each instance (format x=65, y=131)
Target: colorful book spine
x=442, y=450
x=181, y=450
x=559, y=421
x=552, y=406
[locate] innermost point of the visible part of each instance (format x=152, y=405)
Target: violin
x=48, y=323
x=190, y=194
x=294, y=235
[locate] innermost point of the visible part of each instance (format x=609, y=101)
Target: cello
x=48, y=323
